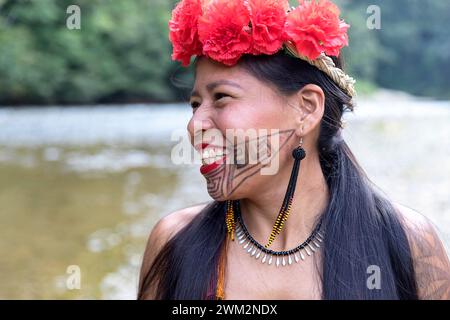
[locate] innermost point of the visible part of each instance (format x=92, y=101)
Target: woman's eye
x=195, y=105
x=217, y=96
x=220, y=95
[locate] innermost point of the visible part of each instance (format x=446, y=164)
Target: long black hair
x=363, y=228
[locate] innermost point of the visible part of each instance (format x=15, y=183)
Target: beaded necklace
x=255, y=249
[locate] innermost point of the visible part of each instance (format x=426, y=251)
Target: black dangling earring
x=299, y=154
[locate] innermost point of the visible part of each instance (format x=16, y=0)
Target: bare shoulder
x=431, y=263
x=164, y=230
x=411, y=218
x=417, y=226
x=170, y=224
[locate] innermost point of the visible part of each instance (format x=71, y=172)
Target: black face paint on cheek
x=223, y=183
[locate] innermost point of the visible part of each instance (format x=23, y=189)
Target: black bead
x=299, y=153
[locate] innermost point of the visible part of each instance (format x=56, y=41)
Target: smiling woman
x=340, y=230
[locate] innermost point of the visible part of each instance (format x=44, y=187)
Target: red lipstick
x=207, y=168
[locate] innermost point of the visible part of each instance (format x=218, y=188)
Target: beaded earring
x=298, y=154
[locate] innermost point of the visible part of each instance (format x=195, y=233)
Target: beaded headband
x=225, y=30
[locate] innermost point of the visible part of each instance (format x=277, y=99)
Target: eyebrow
x=211, y=86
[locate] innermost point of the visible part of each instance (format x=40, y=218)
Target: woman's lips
x=208, y=168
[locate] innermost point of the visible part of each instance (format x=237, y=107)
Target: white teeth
x=212, y=155
x=211, y=160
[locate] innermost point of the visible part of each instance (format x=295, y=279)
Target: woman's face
x=230, y=110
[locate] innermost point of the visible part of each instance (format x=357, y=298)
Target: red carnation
x=224, y=31
x=268, y=18
x=314, y=27
x=184, y=32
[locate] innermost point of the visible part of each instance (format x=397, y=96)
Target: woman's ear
x=311, y=99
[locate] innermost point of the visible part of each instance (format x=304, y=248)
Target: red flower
x=184, y=32
x=268, y=18
x=224, y=31
x=314, y=27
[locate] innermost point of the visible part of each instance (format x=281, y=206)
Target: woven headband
x=225, y=30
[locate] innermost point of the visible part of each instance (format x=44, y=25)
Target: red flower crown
x=225, y=30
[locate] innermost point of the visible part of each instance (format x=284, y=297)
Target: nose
x=199, y=123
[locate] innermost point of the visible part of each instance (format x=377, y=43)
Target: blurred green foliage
x=122, y=52
x=411, y=51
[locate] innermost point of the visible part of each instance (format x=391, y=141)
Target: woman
x=316, y=227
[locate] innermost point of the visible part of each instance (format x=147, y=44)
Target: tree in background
x=411, y=52
x=122, y=52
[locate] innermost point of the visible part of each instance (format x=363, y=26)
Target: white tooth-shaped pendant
x=246, y=245
x=289, y=260
x=302, y=256
x=311, y=247
x=270, y=260
x=249, y=249
x=264, y=259
x=254, y=251
x=307, y=251
x=316, y=244
x=242, y=241
x=296, y=258
x=257, y=255
x=318, y=239
x=240, y=236
x=283, y=261
x=278, y=261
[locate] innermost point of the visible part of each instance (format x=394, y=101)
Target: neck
x=260, y=211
